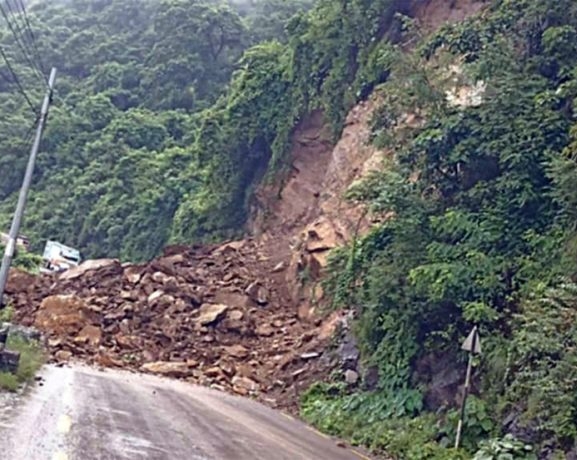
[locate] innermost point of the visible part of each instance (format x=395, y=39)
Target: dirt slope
x=310, y=217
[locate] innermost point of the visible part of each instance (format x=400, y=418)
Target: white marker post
x=472, y=345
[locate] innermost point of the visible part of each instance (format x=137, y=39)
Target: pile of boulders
x=210, y=315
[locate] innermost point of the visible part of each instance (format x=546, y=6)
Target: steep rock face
x=310, y=215
x=305, y=217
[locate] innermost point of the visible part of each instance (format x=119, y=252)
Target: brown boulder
x=61, y=314
x=169, y=369
x=210, y=313
x=236, y=315
x=321, y=236
x=257, y=293
x=265, y=330
x=237, y=351
x=87, y=266
x=133, y=274
x=229, y=247
x=63, y=355
x=19, y=281
x=244, y=385
x=234, y=299
x=91, y=335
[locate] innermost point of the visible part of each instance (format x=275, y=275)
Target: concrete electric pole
x=19, y=213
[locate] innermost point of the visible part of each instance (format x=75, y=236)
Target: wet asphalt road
x=83, y=414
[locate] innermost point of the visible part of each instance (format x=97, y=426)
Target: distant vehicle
x=21, y=242
x=58, y=257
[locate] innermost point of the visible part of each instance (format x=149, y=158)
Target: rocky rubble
x=210, y=315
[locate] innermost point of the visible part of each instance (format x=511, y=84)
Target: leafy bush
x=544, y=364
x=383, y=422
x=479, y=423
x=507, y=448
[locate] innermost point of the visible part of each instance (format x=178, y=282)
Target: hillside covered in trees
x=135, y=84
x=169, y=114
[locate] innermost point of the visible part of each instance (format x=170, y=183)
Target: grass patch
x=31, y=359
x=6, y=314
x=8, y=382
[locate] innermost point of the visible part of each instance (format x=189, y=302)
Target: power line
x=18, y=31
x=22, y=8
x=17, y=38
x=16, y=80
x=28, y=136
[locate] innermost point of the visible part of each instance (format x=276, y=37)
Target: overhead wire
x=21, y=28
x=30, y=131
x=21, y=7
x=17, y=80
x=18, y=37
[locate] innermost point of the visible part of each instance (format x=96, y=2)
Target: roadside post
x=3, y=337
x=472, y=345
x=9, y=360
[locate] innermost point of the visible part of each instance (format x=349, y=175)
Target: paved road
x=84, y=414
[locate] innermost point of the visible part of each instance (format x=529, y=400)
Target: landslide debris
x=211, y=315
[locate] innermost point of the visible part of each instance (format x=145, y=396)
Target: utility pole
x=19, y=213
x=473, y=345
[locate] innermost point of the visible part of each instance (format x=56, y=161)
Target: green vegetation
x=503, y=449
x=126, y=154
x=31, y=359
x=25, y=260
x=483, y=232
x=6, y=314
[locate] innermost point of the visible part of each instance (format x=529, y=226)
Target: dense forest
x=169, y=112
x=136, y=83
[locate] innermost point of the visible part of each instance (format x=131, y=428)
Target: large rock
x=133, y=274
x=351, y=377
x=264, y=330
x=244, y=385
x=91, y=335
x=348, y=352
x=63, y=355
x=210, y=313
x=87, y=266
x=19, y=281
x=321, y=236
x=230, y=247
x=237, y=351
x=169, y=369
x=61, y=314
x=22, y=332
x=257, y=293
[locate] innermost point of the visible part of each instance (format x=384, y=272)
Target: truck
x=57, y=257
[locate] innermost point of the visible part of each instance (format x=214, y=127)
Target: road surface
x=81, y=413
